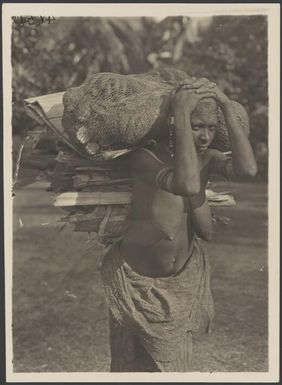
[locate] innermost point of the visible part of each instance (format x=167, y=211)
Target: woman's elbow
x=252, y=170
x=187, y=188
x=248, y=171
x=205, y=235
x=208, y=236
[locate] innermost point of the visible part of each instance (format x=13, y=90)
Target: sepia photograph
x=141, y=155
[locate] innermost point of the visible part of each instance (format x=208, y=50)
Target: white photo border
x=272, y=11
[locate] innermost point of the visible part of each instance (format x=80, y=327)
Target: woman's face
x=204, y=123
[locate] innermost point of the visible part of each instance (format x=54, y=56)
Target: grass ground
x=59, y=312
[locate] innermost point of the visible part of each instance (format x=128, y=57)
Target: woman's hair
x=206, y=106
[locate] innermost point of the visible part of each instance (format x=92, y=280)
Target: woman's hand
x=194, y=83
x=185, y=99
x=202, y=86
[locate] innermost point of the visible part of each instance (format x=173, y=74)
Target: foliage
x=52, y=58
x=230, y=50
x=233, y=52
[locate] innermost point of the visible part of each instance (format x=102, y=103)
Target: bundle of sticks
x=95, y=193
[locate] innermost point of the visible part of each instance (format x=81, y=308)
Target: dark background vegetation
x=231, y=50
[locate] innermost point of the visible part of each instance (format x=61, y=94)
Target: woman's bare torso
x=154, y=245
x=160, y=238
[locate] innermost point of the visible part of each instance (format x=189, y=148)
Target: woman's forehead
x=206, y=105
x=205, y=110
x=204, y=117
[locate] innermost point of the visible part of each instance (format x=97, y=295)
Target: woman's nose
x=205, y=134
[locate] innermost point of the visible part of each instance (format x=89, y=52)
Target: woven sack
x=112, y=111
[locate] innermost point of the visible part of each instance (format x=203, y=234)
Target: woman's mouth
x=202, y=147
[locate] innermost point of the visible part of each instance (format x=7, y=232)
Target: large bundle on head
x=111, y=111
x=106, y=116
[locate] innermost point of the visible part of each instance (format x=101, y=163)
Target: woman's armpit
x=146, y=166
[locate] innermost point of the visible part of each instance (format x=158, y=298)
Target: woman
x=157, y=279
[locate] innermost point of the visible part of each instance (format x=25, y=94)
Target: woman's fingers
x=199, y=93
x=200, y=83
x=207, y=95
x=187, y=81
x=203, y=89
x=185, y=84
x=211, y=85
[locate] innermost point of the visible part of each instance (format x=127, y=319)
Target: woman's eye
x=195, y=128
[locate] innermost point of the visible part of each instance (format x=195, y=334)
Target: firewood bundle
x=96, y=196
x=94, y=193
x=94, y=188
